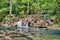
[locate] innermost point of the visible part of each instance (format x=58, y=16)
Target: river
x=42, y=33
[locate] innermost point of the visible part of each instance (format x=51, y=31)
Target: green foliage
x=21, y=14
x=50, y=13
x=58, y=16
x=4, y=9
x=59, y=24
x=21, y=7
x=1, y=18
x=4, y=6
x=8, y=17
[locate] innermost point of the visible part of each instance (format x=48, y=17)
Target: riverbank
x=32, y=20
x=44, y=34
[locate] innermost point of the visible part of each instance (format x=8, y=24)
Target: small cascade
x=24, y=23
x=50, y=21
x=19, y=26
x=22, y=26
x=46, y=19
x=19, y=23
x=25, y=26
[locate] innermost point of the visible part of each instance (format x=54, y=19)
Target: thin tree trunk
x=28, y=8
x=10, y=6
x=38, y=6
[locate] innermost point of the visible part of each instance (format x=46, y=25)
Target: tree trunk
x=28, y=8
x=10, y=6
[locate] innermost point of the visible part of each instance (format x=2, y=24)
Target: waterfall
x=50, y=22
x=19, y=26
x=47, y=19
x=19, y=23
x=25, y=27
x=22, y=26
x=22, y=23
x=44, y=16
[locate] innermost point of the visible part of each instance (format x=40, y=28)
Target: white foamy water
x=21, y=27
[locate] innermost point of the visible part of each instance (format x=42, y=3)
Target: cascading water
x=22, y=26
x=19, y=23
x=19, y=26
x=47, y=19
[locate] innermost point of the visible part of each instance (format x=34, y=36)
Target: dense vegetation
x=25, y=7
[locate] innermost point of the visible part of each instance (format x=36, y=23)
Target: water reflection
x=44, y=31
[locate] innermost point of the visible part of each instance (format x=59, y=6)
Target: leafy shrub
x=8, y=17
x=1, y=18
x=58, y=15
x=22, y=14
